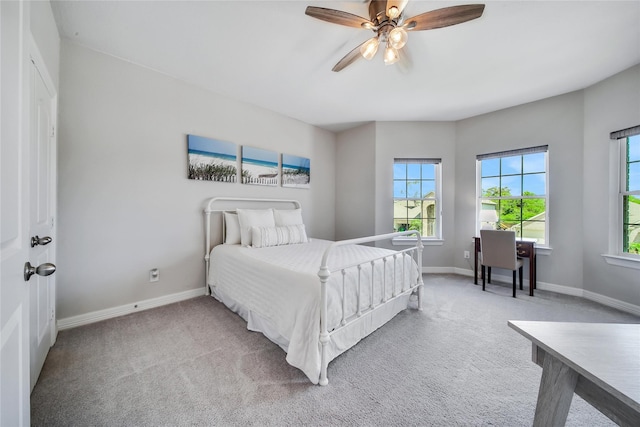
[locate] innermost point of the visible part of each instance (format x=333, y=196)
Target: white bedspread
x=277, y=288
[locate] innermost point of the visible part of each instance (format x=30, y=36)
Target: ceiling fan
x=387, y=21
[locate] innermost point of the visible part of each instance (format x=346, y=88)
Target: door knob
x=37, y=240
x=45, y=269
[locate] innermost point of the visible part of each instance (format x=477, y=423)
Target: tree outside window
x=514, y=186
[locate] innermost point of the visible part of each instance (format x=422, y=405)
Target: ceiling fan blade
x=349, y=58
x=444, y=17
x=338, y=17
x=405, y=63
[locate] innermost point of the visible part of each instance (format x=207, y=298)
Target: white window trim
x=622, y=261
x=410, y=241
x=437, y=239
x=615, y=256
x=546, y=248
x=438, y=235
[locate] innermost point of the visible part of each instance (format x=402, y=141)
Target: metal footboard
x=407, y=285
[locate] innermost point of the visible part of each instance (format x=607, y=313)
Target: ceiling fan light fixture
x=369, y=48
x=391, y=55
x=394, y=8
x=393, y=12
x=398, y=38
x=387, y=20
x=367, y=25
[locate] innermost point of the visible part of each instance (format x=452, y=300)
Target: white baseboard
x=439, y=270
x=566, y=290
x=591, y=296
x=463, y=272
x=96, y=316
x=620, y=305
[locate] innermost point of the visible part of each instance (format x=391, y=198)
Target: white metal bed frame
x=325, y=272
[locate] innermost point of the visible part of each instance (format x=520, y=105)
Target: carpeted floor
x=456, y=363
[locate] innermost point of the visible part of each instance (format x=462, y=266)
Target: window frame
x=510, y=153
x=622, y=192
x=617, y=164
x=437, y=238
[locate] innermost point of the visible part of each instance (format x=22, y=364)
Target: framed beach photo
x=212, y=160
x=259, y=167
x=296, y=171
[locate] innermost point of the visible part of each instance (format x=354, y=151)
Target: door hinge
x=52, y=222
x=53, y=314
x=53, y=131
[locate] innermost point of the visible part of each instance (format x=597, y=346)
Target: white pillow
x=253, y=218
x=232, y=229
x=288, y=217
x=262, y=237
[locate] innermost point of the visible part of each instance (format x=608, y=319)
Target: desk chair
x=498, y=249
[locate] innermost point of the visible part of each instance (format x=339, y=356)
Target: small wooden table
x=524, y=249
x=600, y=362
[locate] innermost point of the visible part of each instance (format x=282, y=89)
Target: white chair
x=498, y=249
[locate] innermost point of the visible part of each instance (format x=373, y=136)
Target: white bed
x=316, y=298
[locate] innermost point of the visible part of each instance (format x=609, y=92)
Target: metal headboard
x=217, y=205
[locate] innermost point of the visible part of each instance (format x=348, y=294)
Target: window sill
x=403, y=241
x=622, y=261
x=543, y=250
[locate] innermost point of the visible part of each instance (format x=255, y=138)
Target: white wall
x=610, y=105
x=556, y=122
x=355, y=182
x=411, y=140
x=576, y=128
x=125, y=203
x=364, y=170
x=45, y=34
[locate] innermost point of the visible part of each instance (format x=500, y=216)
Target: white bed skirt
x=341, y=339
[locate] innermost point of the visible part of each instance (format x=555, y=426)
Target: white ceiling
x=270, y=54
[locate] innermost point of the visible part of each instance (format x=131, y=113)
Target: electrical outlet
x=154, y=275
x=466, y=255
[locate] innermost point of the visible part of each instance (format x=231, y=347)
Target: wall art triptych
x=215, y=160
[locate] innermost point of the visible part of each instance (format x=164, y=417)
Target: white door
x=14, y=226
x=42, y=208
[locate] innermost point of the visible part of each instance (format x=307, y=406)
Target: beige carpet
x=194, y=363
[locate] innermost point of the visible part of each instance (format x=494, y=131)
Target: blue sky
x=413, y=180
x=295, y=161
x=634, y=168
x=531, y=165
x=201, y=143
x=259, y=154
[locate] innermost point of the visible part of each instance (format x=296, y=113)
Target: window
x=416, y=196
x=512, y=192
x=630, y=194
x=624, y=199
